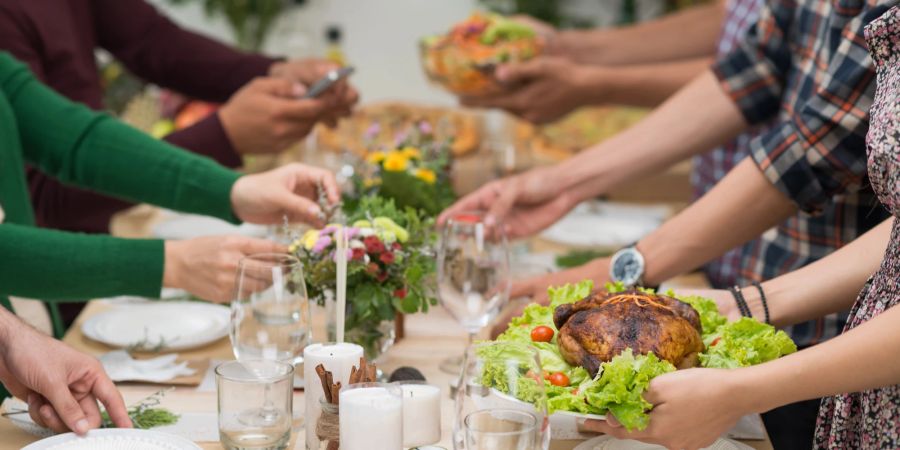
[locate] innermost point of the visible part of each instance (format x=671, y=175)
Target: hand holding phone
x=329, y=80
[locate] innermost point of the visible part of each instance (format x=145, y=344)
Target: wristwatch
x=627, y=266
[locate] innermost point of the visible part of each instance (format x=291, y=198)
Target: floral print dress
x=871, y=419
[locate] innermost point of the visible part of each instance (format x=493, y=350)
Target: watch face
x=628, y=266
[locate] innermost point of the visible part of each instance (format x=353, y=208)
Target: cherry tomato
x=715, y=341
x=559, y=379
x=542, y=334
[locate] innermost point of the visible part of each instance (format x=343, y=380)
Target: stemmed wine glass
x=472, y=274
x=269, y=320
x=501, y=403
x=270, y=311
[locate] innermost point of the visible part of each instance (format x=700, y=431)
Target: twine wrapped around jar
x=328, y=427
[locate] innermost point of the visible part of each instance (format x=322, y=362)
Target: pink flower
x=373, y=131
x=387, y=258
x=321, y=244
x=425, y=127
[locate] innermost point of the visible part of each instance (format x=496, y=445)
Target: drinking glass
x=270, y=311
x=371, y=417
x=472, y=274
x=500, y=401
x=255, y=404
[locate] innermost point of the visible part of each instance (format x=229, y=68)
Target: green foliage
x=250, y=20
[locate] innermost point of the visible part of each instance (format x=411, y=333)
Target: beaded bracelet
x=762, y=297
x=741, y=302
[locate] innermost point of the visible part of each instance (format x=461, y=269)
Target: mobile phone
x=329, y=80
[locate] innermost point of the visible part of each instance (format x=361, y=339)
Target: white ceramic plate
x=177, y=325
x=115, y=439
x=611, y=443
x=188, y=226
x=606, y=225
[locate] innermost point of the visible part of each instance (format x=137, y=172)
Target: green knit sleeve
x=44, y=263
x=81, y=147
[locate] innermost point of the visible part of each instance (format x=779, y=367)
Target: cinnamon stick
x=336, y=393
x=354, y=375
x=372, y=371
x=320, y=371
x=362, y=368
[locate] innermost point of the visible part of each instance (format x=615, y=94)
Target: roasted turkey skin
x=599, y=327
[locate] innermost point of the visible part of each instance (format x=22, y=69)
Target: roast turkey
x=599, y=327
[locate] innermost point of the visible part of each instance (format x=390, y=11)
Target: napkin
x=120, y=366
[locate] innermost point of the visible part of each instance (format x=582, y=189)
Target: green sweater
x=83, y=148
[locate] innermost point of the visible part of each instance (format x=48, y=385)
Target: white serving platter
x=114, y=439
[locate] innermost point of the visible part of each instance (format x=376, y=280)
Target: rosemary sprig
x=143, y=414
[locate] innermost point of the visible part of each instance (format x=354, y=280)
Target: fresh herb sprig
x=144, y=415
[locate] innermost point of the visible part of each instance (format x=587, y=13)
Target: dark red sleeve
x=207, y=137
x=20, y=39
x=156, y=49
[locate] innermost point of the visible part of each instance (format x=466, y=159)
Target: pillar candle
x=338, y=359
x=371, y=419
x=421, y=414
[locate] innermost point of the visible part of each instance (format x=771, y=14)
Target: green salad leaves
x=619, y=385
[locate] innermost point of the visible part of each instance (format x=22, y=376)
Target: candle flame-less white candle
x=371, y=419
x=421, y=414
x=341, y=282
x=338, y=359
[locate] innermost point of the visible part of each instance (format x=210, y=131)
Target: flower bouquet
x=390, y=263
x=414, y=171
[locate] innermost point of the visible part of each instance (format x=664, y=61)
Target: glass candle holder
x=421, y=413
x=255, y=404
x=371, y=417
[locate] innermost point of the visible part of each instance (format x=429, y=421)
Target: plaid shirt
x=803, y=71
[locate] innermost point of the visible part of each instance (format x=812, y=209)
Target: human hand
x=536, y=288
x=291, y=190
x=341, y=96
x=723, y=298
x=524, y=204
x=540, y=90
x=61, y=385
x=266, y=115
x=691, y=409
x=207, y=266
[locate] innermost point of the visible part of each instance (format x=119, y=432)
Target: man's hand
x=341, y=97
x=207, y=266
x=267, y=115
x=61, y=385
x=540, y=90
x=290, y=190
x=524, y=204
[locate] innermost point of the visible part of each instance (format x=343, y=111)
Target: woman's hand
x=340, y=98
x=691, y=409
x=723, y=298
x=291, y=191
x=524, y=204
x=207, y=266
x=61, y=385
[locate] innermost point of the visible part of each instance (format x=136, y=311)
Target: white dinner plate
x=115, y=439
x=606, y=225
x=611, y=443
x=189, y=226
x=176, y=325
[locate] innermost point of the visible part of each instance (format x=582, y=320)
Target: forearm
x=741, y=207
x=694, y=120
x=688, y=34
x=852, y=362
x=826, y=286
x=646, y=85
x=207, y=138
x=80, y=266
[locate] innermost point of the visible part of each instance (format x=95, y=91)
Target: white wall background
x=380, y=36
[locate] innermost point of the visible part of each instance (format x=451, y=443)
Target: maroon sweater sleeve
x=156, y=49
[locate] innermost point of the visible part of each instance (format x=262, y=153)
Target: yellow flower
x=375, y=157
x=395, y=162
x=309, y=239
x=412, y=153
x=426, y=175
x=370, y=182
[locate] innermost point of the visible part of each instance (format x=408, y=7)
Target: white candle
x=371, y=419
x=338, y=359
x=421, y=414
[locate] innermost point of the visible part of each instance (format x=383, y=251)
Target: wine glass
x=472, y=274
x=270, y=311
x=501, y=403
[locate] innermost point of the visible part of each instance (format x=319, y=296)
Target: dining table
x=428, y=339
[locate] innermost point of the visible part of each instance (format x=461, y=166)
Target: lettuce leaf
x=710, y=319
x=745, y=342
x=569, y=293
x=620, y=386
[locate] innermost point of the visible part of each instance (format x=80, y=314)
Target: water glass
x=255, y=404
x=371, y=417
x=500, y=429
